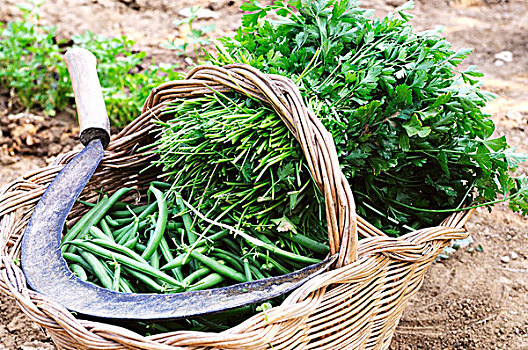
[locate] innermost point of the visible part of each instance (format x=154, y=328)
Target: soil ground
x=473, y=300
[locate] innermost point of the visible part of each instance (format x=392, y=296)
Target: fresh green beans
x=125, y=260
x=132, y=248
x=127, y=235
x=106, y=228
x=208, y=282
x=76, y=259
x=130, y=210
x=98, y=212
x=167, y=255
x=307, y=242
x=196, y=275
x=98, y=268
x=79, y=272
x=97, y=233
x=155, y=239
x=219, y=268
x=191, y=235
x=180, y=260
x=83, y=222
x=228, y=257
x=117, y=277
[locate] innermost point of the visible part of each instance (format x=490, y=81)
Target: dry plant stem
x=355, y=305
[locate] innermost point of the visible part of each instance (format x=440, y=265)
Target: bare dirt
x=474, y=299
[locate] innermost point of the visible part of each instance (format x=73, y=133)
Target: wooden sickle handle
x=91, y=107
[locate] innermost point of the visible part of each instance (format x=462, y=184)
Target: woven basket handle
x=317, y=143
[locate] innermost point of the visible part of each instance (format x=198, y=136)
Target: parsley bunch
x=407, y=122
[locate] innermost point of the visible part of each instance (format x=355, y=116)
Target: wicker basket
x=355, y=305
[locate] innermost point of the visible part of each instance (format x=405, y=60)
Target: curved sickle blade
x=46, y=270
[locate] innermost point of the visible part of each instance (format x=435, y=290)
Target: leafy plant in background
x=33, y=68
x=411, y=136
x=30, y=60
x=197, y=37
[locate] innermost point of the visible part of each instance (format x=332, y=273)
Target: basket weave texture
x=357, y=304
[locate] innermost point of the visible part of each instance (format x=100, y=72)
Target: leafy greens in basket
x=408, y=123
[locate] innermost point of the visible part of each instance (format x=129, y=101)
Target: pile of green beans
x=168, y=246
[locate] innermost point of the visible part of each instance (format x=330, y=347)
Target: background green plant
x=197, y=38
x=33, y=68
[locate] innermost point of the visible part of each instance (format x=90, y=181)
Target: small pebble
x=499, y=63
x=514, y=256
x=505, y=259
x=505, y=56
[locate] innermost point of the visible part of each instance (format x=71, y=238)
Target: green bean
x=149, y=210
x=106, y=229
x=228, y=257
x=125, y=286
x=99, y=213
x=307, y=242
x=162, y=185
x=293, y=264
x=140, y=247
x=80, y=225
x=212, y=238
x=124, y=221
x=255, y=271
x=125, y=260
x=278, y=266
x=154, y=260
x=155, y=238
x=195, y=275
x=263, y=238
x=131, y=244
x=219, y=268
x=98, y=269
x=149, y=282
x=118, y=234
x=208, y=282
x=89, y=204
x=179, y=260
x=247, y=270
x=231, y=244
x=78, y=260
x=130, y=233
x=172, y=225
x=111, y=221
x=117, y=277
x=117, y=248
x=120, y=206
x=165, y=250
x=79, y=271
x=167, y=255
x=128, y=212
x=97, y=233
x=191, y=236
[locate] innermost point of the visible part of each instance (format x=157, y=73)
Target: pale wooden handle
x=91, y=107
